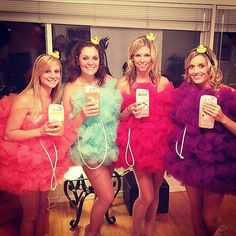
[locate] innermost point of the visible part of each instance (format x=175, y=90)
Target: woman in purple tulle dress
x=143, y=129
x=203, y=157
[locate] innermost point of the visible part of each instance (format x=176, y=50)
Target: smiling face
x=198, y=71
x=142, y=59
x=89, y=61
x=51, y=77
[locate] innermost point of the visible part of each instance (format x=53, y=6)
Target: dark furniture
x=77, y=190
x=10, y=214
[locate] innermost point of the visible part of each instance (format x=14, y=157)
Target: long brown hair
x=73, y=68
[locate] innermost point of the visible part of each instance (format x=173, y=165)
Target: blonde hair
x=42, y=63
x=214, y=72
x=135, y=45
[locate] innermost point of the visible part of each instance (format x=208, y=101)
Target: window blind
x=127, y=14
x=226, y=19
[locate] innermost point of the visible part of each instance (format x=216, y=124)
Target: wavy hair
x=73, y=68
x=135, y=45
x=42, y=63
x=214, y=72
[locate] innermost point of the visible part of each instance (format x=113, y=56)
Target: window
x=20, y=44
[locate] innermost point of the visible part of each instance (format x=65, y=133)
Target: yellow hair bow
x=150, y=36
x=95, y=40
x=201, y=49
x=56, y=54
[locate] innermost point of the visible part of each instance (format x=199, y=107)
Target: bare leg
x=212, y=204
x=42, y=224
x=111, y=170
x=142, y=203
x=152, y=209
x=196, y=199
x=100, y=180
x=30, y=205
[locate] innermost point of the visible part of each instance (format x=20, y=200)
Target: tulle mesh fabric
x=148, y=137
x=209, y=154
x=24, y=165
x=91, y=134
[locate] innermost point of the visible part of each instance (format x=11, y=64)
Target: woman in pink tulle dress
x=33, y=150
x=142, y=138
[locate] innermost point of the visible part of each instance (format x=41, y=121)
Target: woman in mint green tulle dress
x=93, y=102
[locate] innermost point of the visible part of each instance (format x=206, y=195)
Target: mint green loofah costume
x=97, y=134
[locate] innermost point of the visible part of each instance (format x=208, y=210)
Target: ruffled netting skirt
x=24, y=165
x=148, y=135
x=209, y=154
x=96, y=142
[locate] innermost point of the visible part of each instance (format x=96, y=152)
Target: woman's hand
x=135, y=109
x=216, y=112
x=213, y=110
x=52, y=128
x=90, y=109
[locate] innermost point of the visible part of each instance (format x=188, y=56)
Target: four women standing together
x=154, y=127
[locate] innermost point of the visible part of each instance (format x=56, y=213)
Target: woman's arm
x=89, y=109
x=19, y=110
x=228, y=123
x=123, y=86
x=216, y=112
x=66, y=102
x=163, y=82
x=131, y=109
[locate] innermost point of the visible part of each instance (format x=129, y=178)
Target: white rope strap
x=54, y=166
x=105, y=152
x=128, y=148
x=182, y=144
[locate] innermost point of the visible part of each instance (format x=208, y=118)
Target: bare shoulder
x=69, y=88
x=123, y=84
x=24, y=100
x=163, y=82
x=109, y=77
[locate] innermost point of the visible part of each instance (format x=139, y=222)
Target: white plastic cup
x=205, y=120
x=92, y=95
x=142, y=98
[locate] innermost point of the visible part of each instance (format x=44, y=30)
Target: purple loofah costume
x=209, y=154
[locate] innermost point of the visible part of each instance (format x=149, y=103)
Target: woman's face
x=142, y=59
x=51, y=77
x=198, y=71
x=89, y=61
